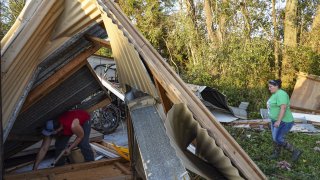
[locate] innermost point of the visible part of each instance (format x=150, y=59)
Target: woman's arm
x=283, y=108
x=78, y=131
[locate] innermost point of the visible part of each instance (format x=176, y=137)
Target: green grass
x=258, y=145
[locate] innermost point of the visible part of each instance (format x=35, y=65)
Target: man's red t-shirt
x=67, y=118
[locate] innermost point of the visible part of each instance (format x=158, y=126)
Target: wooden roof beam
x=99, y=41
x=63, y=169
x=53, y=81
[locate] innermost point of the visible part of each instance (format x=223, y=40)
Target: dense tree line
x=235, y=46
x=232, y=45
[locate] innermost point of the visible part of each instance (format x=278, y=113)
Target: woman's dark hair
x=276, y=82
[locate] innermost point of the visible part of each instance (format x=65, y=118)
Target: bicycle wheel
x=101, y=70
x=111, y=119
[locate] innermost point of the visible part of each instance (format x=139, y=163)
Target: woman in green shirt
x=281, y=119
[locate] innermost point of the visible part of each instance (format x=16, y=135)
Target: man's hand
x=67, y=151
x=277, y=124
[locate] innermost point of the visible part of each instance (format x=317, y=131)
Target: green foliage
x=240, y=68
x=104, y=52
x=9, y=10
x=258, y=145
x=150, y=17
x=304, y=59
x=240, y=71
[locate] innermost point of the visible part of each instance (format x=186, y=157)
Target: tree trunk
x=276, y=40
x=209, y=21
x=247, y=20
x=191, y=12
x=222, y=20
x=194, y=34
x=290, y=41
x=290, y=23
x=315, y=32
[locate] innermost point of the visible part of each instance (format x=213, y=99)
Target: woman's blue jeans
x=279, y=133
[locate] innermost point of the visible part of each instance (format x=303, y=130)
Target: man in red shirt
x=74, y=122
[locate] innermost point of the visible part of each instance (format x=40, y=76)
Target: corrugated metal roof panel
x=21, y=58
x=77, y=15
x=130, y=68
x=182, y=129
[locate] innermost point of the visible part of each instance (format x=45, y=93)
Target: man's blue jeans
x=279, y=133
x=84, y=145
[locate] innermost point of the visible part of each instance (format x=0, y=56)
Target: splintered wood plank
x=92, y=173
x=101, y=104
x=90, y=170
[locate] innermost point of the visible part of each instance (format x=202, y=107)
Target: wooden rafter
x=53, y=81
x=101, y=104
x=166, y=102
x=44, y=173
x=99, y=41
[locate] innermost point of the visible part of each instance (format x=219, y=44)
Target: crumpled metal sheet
x=131, y=70
x=211, y=162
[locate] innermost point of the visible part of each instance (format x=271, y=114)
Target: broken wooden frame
x=109, y=168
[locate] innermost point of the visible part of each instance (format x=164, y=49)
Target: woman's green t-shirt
x=275, y=101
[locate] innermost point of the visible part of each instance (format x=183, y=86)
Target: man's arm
x=78, y=131
x=43, y=151
x=59, y=129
